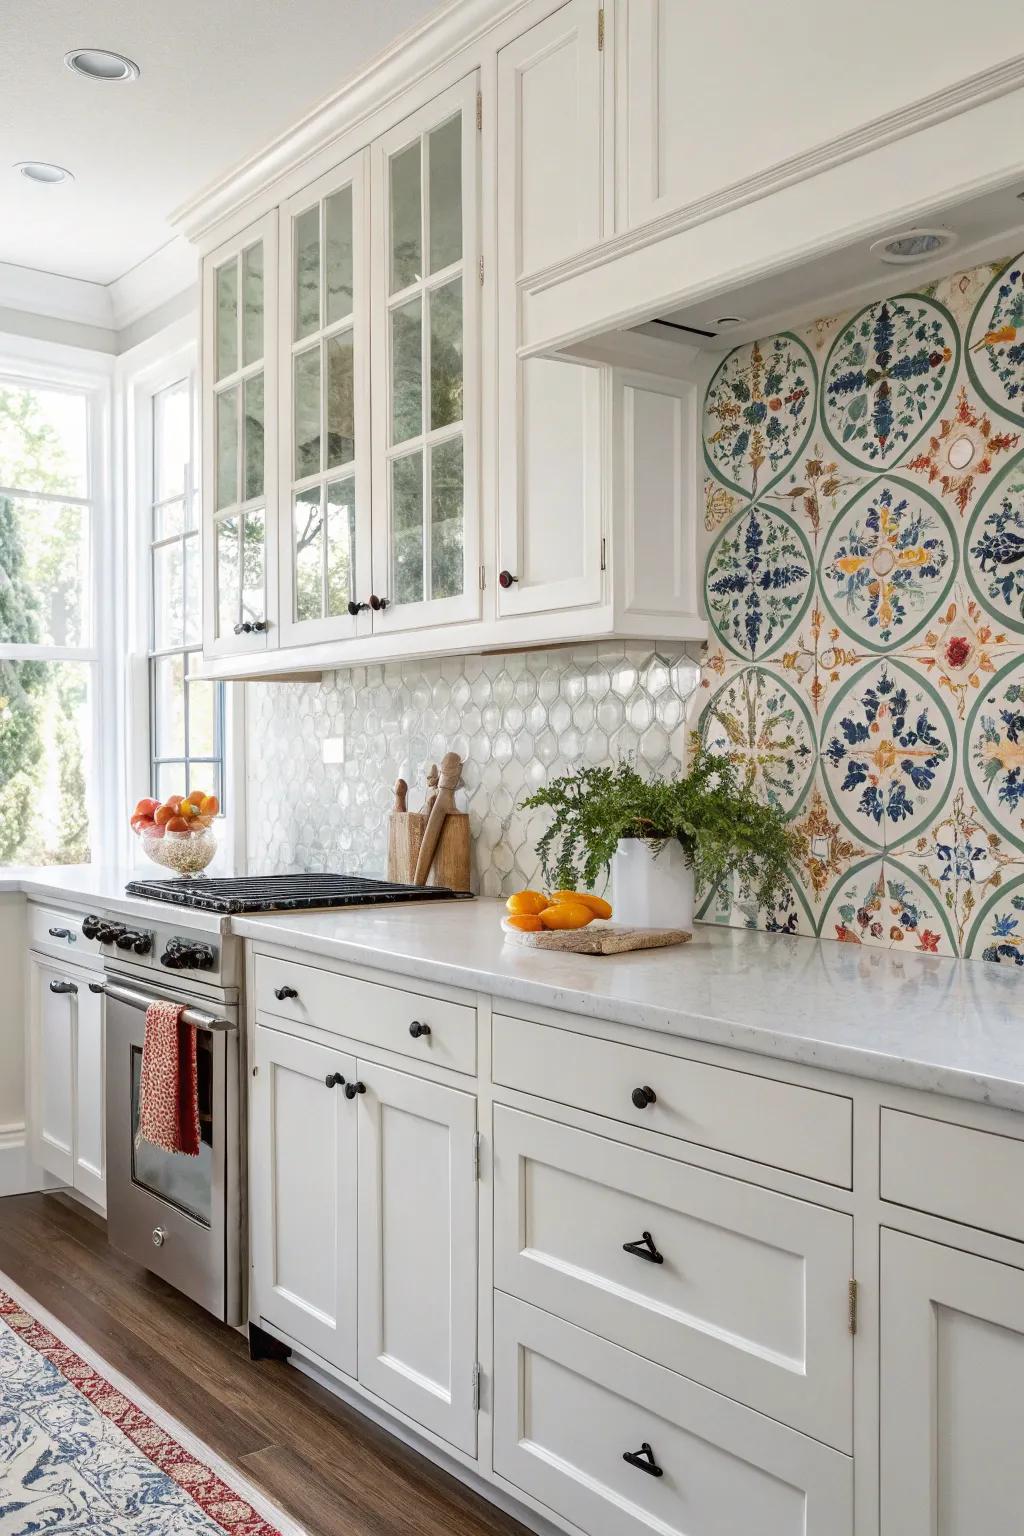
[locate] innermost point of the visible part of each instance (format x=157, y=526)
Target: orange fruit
x=526, y=922
x=597, y=904
x=527, y=903
x=145, y=807
x=174, y=801
x=177, y=824
x=163, y=814
x=566, y=914
x=209, y=805
x=196, y=796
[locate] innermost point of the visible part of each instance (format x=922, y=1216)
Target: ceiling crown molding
x=460, y=24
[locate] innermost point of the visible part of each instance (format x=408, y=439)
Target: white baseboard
x=19, y=1175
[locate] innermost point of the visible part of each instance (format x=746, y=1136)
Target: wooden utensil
x=599, y=939
x=428, y=804
x=444, y=801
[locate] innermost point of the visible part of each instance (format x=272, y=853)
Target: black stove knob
x=109, y=932
x=91, y=926
x=142, y=943
x=183, y=956
x=126, y=939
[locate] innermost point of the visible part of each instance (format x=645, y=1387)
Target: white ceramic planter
x=652, y=891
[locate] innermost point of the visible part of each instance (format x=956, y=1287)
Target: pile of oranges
x=532, y=911
x=193, y=812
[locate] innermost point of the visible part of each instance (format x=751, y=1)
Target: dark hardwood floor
x=332, y=1470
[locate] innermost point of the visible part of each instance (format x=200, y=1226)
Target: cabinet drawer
x=368, y=1011
x=568, y=1406
x=800, y=1129
x=59, y=933
x=954, y=1171
x=749, y=1289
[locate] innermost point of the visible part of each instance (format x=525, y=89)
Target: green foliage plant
x=722, y=827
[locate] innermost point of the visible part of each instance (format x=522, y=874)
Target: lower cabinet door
x=52, y=1068
x=90, y=1138
x=303, y=1194
x=623, y=1447
x=418, y=1250
x=952, y=1384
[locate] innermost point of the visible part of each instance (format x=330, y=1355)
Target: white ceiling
x=220, y=78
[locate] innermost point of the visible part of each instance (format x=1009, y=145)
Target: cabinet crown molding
x=458, y=26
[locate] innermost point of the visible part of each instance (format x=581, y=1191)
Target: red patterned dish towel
x=169, y=1093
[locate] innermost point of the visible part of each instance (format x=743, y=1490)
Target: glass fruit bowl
x=186, y=853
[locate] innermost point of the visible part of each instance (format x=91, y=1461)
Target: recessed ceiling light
x=43, y=172
x=724, y=321
x=913, y=245
x=99, y=64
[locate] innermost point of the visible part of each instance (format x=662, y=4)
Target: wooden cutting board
x=597, y=938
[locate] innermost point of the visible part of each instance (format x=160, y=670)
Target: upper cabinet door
x=240, y=442
x=426, y=366
x=551, y=203
x=325, y=408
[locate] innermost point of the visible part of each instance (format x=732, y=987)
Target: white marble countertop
x=944, y=1026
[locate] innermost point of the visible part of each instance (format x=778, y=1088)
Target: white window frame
x=26, y=363
x=150, y=368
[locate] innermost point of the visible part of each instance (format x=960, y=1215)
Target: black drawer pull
x=644, y=1459
x=281, y=993
x=644, y=1249
x=334, y=1080
x=62, y=933
x=643, y=1096
x=416, y=1029
x=63, y=987
x=351, y=1089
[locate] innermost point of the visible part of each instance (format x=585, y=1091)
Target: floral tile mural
x=864, y=585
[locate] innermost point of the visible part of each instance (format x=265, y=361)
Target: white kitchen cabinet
x=303, y=1201
x=425, y=307
x=417, y=1250
x=952, y=1382
x=240, y=439
x=324, y=326
x=66, y=1075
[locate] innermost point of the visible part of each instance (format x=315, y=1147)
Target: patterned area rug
x=84, y=1453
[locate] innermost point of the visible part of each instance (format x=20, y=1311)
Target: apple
x=146, y=807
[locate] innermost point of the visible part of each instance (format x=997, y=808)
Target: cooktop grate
x=286, y=893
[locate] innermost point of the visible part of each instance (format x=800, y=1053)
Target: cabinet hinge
x=604, y=554
x=476, y=1383
x=483, y=578
x=851, y=1313
x=481, y=269
x=479, y=109
x=477, y=1139
x=600, y=30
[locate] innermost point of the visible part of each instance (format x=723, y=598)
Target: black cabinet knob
x=506, y=579
x=61, y=933
x=416, y=1029
x=644, y=1248
x=378, y=604
x=334, y=1080
x=244, y=628
x=356, y=608
x=351, y=1089
x=644, y=1459
x=284, y=992
x=62, y=988
x=260, y=626
x=643, y=1096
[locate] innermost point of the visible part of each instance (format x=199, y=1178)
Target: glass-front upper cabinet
x=325, y=409
x=240, y=441
x=426, y=366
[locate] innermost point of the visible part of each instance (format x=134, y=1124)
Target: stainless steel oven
x=181, y=1217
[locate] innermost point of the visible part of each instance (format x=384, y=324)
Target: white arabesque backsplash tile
x=323, y=758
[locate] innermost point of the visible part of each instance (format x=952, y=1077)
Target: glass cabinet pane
x=254, y=601
x=446, y=354
x=444, y=158
x=341, y=544
x=227, y=318
x=407, y=528
x=307, y=412
x=341, y=445
x=338, y=263
x=253, y=437
x=252, y=304
x=307, y=272
x=228, y=572
x=407, y=370
x=447, y=520
x=406, y=238
x=308, y=534
x=227, y=448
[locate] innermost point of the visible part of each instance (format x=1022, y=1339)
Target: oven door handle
x=118, y=992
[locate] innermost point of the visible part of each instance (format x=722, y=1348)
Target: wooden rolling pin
x=444, y=802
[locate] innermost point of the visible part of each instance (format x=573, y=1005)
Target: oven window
x=184, y=1182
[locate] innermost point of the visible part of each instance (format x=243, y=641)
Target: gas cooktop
x=286, y=893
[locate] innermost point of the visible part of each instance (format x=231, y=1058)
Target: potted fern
x=661, y=837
